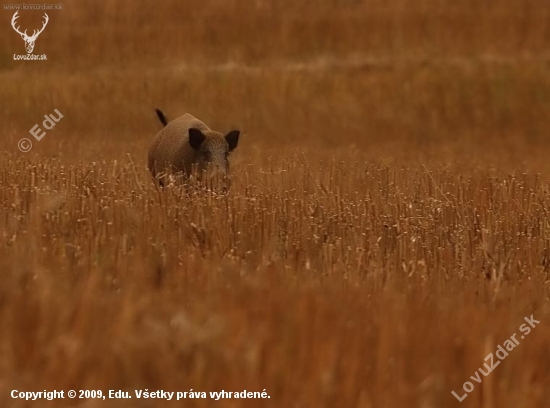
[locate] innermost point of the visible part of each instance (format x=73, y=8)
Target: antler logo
x=29, y=41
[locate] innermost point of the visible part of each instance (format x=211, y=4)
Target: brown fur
x=171, y=151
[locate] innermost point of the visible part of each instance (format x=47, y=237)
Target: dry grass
x=388, y=224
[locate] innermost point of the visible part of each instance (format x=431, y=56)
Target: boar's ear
x=196, y=137
x=232, y=139
x=162, y=117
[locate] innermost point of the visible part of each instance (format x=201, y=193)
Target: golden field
x=387, y=227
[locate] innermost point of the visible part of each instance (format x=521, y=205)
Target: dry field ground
x=387, y=228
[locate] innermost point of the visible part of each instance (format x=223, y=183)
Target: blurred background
x=386, y=76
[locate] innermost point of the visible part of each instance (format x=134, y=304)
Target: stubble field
x=387, y=226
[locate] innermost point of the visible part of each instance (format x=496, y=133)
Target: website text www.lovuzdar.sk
x=40, y=6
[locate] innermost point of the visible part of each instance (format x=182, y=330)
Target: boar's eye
x=207, y=155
